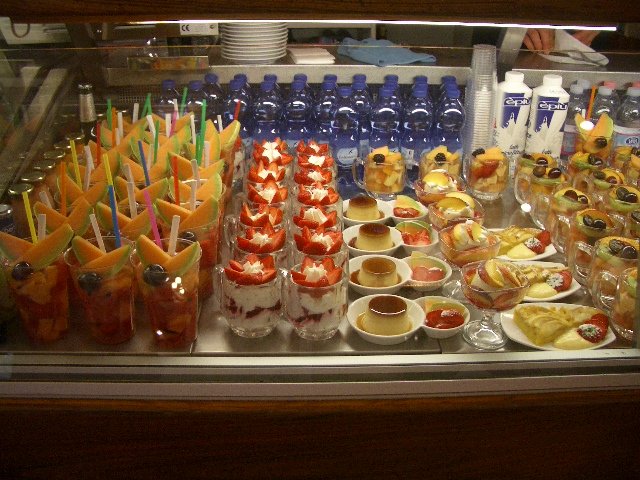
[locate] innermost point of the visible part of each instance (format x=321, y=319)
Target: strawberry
x=309, y=176
x=265, y=240
x=317, y=242
x=405, y=212
x=559, y=281
x=270, y=193
x=544, y=237
x=253, y=271
x=595, y=329
x=419, y=238
x=317, y=194
x=600, y=320
x=265, y=214
x=307, y=218
x=315, y=160
x=312, y=148
x=535, y=245
x=261, y=173
x=317, y=274
x=270, y=152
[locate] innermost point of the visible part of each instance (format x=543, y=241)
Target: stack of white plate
x=254, y=43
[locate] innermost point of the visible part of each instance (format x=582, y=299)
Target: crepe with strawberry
x=312, y=148
x=261, y=173
x=317, y=195
x=265, y=214
x=316, y=274
x=269, y=152
x=269, y=194
x=314, y=217
x=310, y=176
x=318, y=242
x=253, y=271
x=315, y=161
x=262, y=240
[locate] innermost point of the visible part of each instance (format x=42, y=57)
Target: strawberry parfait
x=311, y=148
x=316, y=298
x=316, y=217
x=251, y=296
x=318, y=244
x=262, y=241
x=272, y=152
x=261, y=173
x=311, y=176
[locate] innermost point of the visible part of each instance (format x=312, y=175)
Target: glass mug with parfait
x=622, y=311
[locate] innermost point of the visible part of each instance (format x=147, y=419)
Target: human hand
x=586, y=36
x=540, y=39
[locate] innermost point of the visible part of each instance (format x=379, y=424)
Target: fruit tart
x=520, y=243
x=546, y=281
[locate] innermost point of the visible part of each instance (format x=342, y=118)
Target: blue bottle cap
x=331, y=78
x=271, y=77
x=328, y=85
x=297, y=85
x=420, y=79
x=195, y=85
x=300, y=76
x=391, y=79
x=448, y=78
x=168, y=84
x=360, y=78
x=419, y=92
x=385, y=92
x=241, y=76
x=266, y=86
x=358, y=85
x=211, y=78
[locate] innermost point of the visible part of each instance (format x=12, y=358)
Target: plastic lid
x=44, y=165
x=271, y=77
x=516, y=77
x=32, y=177
x=602, y=90
x=211, y=78
x=300, y=76
x=391, y=78
x=16, y=189
x=195, y=85
x=241, y=76
x=266, y=86
x=633, y=91
x=551, y=80
x=56, y=155
x=168, y=84
x=420, y=79
x=358, y=85
x=330, y=77
x=359, y=77
x=344, y=91
x=328, y=85
x=448, y=78
x=419, y=91
x=586, y=84
x=576, y=89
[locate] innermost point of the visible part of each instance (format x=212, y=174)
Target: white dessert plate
x=549, y=251
x=244, y=49
x=253, y=56
x=573, y=288
x=429, y=286
x=350, y=233
x=435, y=239
x=423, y=213
x=383, y=207
x=514, y=333
x=416, y=315
x=402, y=269
x=442, y=332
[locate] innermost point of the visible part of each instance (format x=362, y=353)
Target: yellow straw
x=27, y=207
x=76, y=168
x=107, y=168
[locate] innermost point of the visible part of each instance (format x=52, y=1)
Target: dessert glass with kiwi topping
x=540, y=181
x=528, y=161
x=563, y=200
x=598, y=182
x=632, y=225
x=621, y=201
x=622, y=155
x=632, y=168
x=584, y=161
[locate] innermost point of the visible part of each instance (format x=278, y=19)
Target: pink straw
x=174, y=119
x=152, y=218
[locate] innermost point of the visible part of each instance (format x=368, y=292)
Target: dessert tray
x=573, y=288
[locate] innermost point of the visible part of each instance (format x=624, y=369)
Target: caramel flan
x=386, y=315
x=377, y=272
x=374, y=237
x=363, y=208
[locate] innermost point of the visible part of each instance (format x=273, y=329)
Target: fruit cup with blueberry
x=613, y=255
x=548, y=211
x=528, y=161
x=487, y=173
x=103, y=281
x=440, y=158
x=541, y=181
x=584, y=161
x=621, y=201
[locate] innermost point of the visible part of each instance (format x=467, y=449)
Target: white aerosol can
x=546, y=120
x=513, y=102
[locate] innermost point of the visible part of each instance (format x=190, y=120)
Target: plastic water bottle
x=195, y=100
x=302, y=77
x=513, y=102
x=445, y=81
x=362, y=101
x=246, y=87
x=165, y=103
x=215, y=98
x=578, y=103
x=391, y=82
x=548, y=113
x=330, y=77
x=385, y=122
x=417, y=119
x=267, y=112
x=614, y=94
x=361, y=79
x=273, y=78
x=345, y=140
x=236, y=95
x=627, y=121
x=323, y=112
x=297, y=112
x=448, y=121
x=603, y=103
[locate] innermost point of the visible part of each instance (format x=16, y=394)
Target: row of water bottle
x=352, y=118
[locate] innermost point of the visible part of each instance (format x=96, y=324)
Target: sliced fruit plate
x=550, y=281
x=532, y=248
x=405, y=208
x=566, y=330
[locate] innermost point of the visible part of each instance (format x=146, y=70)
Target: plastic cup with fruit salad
x=623, y=310
x=585, y=228
x=169, y=289
x=436, y=184
x=528, y=161
x=104, y=284
x=315, y=298
x=383, y=173
x=440, y=158
x=620, y=201
x=597, y=183
x=563, y=201
x=541, y=181
x=37, y=278
x=250, y=295
x=632, y=169
x=580, y=161
x=612, y=255
x=594, y=139
x=487, y=173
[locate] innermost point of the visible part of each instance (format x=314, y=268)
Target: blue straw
x=114, y=215
x=144, y=164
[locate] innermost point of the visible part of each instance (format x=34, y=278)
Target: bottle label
x=626, y=136
x=545, y=132
x=510, y=130
x=346, y=156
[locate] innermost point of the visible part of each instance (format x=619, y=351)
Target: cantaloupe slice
x=100, y=173
x=230, y=133
x=12, y=247
x=149, y=253
x=213, y=168
x=137, y=172
x=166, y=210
x=149, y=138
x=156, y=190
x=84, y=250
x=54, y=218
x=47, y=250
x=74, y=191
x=183, y=260
x=113, y=261
x=184, y=166
x=78, y=218
x=95, y=194
x=135, y=150
x=103, y=215
x=206, y=213
x=211, y=188
x=140, y=225
x=183, y=121
x=120, y=187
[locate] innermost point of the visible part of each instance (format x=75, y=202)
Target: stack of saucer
x=254, y=43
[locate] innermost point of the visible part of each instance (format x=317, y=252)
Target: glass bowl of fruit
x=455, y=207
x=436, y=184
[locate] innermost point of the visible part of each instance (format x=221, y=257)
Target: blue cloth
x=381, y=52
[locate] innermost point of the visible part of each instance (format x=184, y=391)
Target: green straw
x=147, y=106
x=109, y=114
x=155, y=142
x=183, y=103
